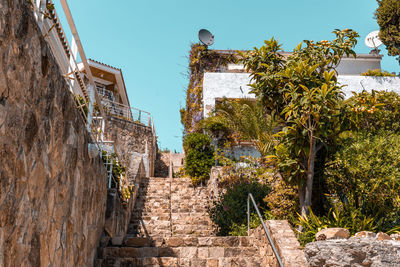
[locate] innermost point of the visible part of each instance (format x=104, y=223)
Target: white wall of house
x=235, y=85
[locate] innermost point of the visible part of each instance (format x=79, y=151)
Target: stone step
x=184, y=262
x=179, y=252
x=194, y=233
x=150, y=210
x=150, y=216
x=210, y=241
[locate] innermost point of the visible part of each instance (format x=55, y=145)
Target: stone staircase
x=170, y=226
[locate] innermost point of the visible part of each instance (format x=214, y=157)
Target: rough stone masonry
x=52, y=195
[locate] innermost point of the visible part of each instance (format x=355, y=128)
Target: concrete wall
x=356, y=66
x=52, y=194
x=235, y=85
x=358, y=83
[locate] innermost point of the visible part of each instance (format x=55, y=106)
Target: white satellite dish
x=372, y=40
x=206, y=37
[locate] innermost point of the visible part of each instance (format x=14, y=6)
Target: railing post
x=271, y=242
x=110, y=174
x=248, y=215
x=90, y=108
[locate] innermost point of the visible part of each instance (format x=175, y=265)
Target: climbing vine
x=201, y=60
x=119, y=176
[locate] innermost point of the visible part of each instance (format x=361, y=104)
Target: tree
x=303, y=89
x=388, y=18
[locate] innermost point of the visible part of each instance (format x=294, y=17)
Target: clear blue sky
x=150, y=40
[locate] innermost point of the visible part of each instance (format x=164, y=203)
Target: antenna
x=206, y=37
x=372, y=41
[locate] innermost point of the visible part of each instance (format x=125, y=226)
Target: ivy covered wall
x=201, y=60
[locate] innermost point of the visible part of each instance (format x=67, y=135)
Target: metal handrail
x=278, y=257
x=127, y=112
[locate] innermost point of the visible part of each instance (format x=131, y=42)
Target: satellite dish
x=206, y=37
x=372, y=40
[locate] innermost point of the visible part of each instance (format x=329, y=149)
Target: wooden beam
x=75, y=34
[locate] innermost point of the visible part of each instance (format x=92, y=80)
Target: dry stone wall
x=52, y=194
x=132, y=142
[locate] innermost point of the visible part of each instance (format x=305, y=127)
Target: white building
x=233, y=84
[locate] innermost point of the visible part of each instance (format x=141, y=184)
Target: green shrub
x=230, y=211
x=378, y=72
x=372, y=112
x=199, y=156
x=351, y=219
x=364, y=175
x=241, y=229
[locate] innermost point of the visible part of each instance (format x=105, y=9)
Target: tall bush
x=302, y=88
x=230, y=210
x=372, y=112
x=364, y=175
x=199, y=156
x=388, y=18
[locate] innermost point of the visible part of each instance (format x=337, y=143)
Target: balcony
x=124, y=112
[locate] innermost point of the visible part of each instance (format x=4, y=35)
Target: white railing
x=127, y=113
x=107, y=94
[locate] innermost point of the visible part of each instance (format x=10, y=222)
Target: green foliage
x=241, y=229
x=263, y=64
x=119, y=176
x=230, y=210
x=81, y=104
x=201, y=60
x=388, y=18
x=282, y=199
x=199, y=156
x=364, y=174
x=378, y=73
x=353, y=220
x=237, y=120
x=372, y=112
x=303, y=89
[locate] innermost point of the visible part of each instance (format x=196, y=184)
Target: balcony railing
x=127, y=113
x=107, y=94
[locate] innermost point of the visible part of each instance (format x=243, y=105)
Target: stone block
x=365, y=234
x=202, y=252
x=332, y=233
x=383, y=236
x=137, y=242
x=216, y=252
x=117, y=241
x=212, y=263
x=174, y=242
x=188, y=252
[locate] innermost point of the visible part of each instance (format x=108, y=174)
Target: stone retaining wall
x=117, y=215
x=285, y=241
x=52, y=194
x=132, y=140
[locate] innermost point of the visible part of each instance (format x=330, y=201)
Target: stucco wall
x=235, y=85
x=52, y=194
